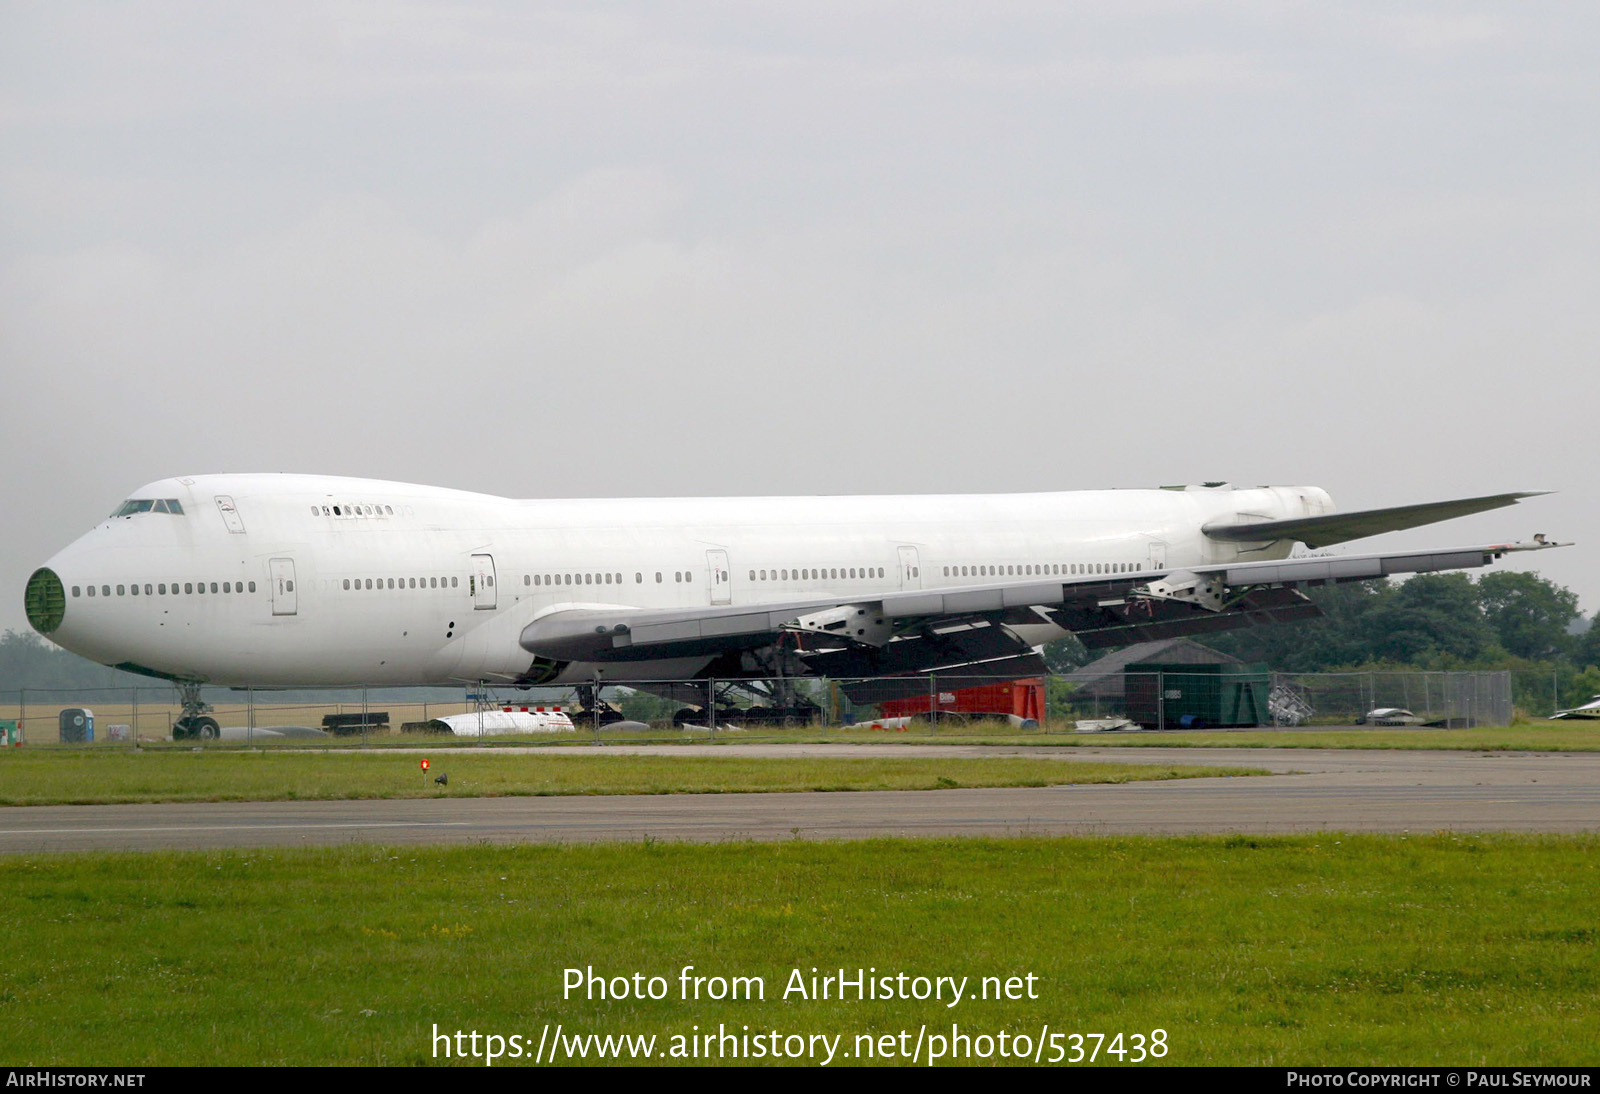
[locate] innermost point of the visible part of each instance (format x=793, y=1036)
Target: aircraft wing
x=1325, y=531
x=923, y=629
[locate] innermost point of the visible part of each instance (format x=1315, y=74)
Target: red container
x=1023, y=698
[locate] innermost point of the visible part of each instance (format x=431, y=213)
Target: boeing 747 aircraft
x=300, y=580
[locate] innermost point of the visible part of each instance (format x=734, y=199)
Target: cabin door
x=482, y=579
x=281, y=578
x=721, y=585
x=910, y=569
x=1158, y=555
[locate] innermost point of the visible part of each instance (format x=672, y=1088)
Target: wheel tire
x=206, y=729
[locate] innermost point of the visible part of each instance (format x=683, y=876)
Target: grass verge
x=90, y=776
x=1335, y=950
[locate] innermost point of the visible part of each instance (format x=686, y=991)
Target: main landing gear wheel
x=197, y=727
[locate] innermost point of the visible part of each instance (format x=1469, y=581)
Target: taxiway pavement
x=1310, y=790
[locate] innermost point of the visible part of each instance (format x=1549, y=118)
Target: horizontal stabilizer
x=1324, y=531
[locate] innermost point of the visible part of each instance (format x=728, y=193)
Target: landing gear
x=195, y=723
x=593, y=710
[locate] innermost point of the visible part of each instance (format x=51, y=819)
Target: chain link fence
x=1207, y=698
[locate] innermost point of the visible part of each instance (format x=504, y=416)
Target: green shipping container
x=1162, y=696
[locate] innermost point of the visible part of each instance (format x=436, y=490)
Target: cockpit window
x=148, y=505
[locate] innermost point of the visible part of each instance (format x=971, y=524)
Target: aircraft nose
x=45, y=600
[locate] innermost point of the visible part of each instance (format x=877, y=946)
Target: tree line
x=1503, y=620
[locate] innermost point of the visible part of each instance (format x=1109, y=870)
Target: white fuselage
x=310, y=580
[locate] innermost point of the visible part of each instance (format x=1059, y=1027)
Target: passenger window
x=188, y=587
x=688, y=575
x=388, y=511
x=76, y=590
x=122, y=590
x=785, y=575
x=638, y=577
x=347, y=583
x=677, y=575
x=658, y=577
x=91, y=590
x=252, y=586
x=147, y=589
x=214, y=586
x=455, y=582
x=336, y=511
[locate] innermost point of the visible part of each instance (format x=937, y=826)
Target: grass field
x=1532, y=737
x=1335, y=950
x=91, y=776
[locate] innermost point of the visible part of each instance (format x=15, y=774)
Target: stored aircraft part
x=1288, y=706
x=1331, y=528
x=1590, y=709
x=1389, y=716
x=1105, y=725
x=495, y=723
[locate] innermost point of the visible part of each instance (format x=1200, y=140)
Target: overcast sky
x=718, y=248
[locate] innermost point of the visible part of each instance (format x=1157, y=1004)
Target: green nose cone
x=45, y=600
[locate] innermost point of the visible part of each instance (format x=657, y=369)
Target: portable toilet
x=9, y=734
x=77, y=726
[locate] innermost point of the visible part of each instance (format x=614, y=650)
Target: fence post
x=250, y=715
x=22, y=714
x=711, y=707
x=1161, y=699
x=133, y=716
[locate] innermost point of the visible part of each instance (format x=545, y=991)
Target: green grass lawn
x=1531, y=737
x=1327, y=949
x=88, y=776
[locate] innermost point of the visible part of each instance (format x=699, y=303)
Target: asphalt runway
x=1311, y=790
